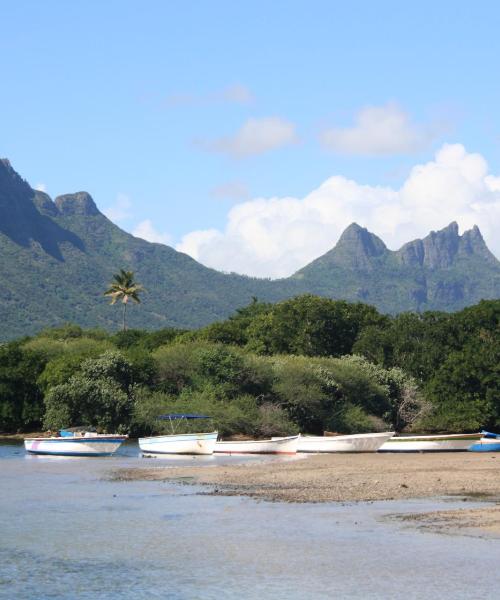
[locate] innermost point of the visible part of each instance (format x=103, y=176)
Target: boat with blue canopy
x=177, y=442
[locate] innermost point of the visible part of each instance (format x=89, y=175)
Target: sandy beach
x=357, y=477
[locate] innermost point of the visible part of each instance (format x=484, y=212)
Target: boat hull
x=285, y=445
x=185, y=443
x=431, y=443
x=363, y=442
x=81, y=446
x=490, y=442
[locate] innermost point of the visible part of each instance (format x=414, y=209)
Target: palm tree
x=124, y=288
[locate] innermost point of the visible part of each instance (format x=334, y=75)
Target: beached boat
x=457, y=442
x=76, y=443
x=360, y=442
x=489, y=442
x=277, y=445
x=179, y=443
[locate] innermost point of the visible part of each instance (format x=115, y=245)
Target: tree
x=21, y=404
x=465, y=390
x=309, y=325
x=124, y=288
x=100, y=395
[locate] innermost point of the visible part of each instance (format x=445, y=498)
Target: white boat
x=457, y=442
x=75, y=444
x=179, y=443
x=277, y=445
x=359, y=442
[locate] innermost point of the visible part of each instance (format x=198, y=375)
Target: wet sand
x=343, y=477
x=358, y=477
x=475, y=522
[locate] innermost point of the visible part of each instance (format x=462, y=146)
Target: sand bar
x=343, y=477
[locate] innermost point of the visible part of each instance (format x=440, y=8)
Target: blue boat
x=490, y=442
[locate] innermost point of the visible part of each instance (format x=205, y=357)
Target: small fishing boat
x=457, y=442
x=277, y=445
x=489, y=442
x=179, y=443
x=75, y=443
x=359, y=442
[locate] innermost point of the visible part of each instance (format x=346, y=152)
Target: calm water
x=66, y=533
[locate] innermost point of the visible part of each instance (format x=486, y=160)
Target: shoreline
x=341, y=477
x=346, y=478
x=19, y=437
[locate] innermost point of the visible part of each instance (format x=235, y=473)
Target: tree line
x=306, y=364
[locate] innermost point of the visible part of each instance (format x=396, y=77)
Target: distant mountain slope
x=57, y=257
x=444, y=271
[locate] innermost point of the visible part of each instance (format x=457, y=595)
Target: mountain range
x=58, y=256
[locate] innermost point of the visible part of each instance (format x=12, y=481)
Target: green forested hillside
x=57, y=257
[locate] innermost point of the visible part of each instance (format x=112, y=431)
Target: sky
x=250, y=134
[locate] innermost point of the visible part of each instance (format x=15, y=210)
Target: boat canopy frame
x=175, y=418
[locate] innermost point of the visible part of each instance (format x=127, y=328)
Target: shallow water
x=67, y=533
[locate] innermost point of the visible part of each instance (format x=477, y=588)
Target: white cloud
x=41, y=187
x=120, y=210
x=232, y=94
x=146, y=231
x=237, y=94
x=276, y=236
x=231, y=190
x=380, y=131
x=255, y=136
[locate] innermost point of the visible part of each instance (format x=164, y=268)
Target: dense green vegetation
x=306, y=364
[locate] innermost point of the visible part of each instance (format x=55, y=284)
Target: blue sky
x=207, y=124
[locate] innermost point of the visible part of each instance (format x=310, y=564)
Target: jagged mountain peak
x=359, y=239
x=79, y=203
x=472, y=243
x=357, y=248
x=44, y=204
x=12, y=184
x=474, y=237
x=440, y=248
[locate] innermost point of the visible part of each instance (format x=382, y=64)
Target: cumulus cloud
x=146, y=231
x=380, y=131
x=41, y=187
x=232, y=94
x=231, y=190
x=274, y=237
x=119, y=211
x=255, y=136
